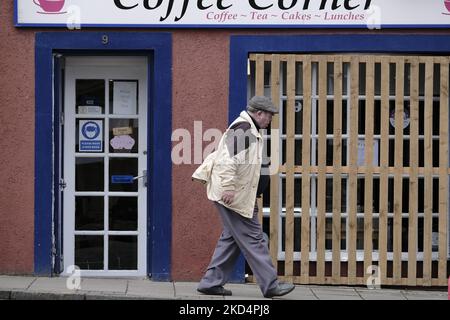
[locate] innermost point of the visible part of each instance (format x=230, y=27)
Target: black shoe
x=281, y=290
x=216, y=291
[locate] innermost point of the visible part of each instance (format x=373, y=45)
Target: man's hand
x=228, y=197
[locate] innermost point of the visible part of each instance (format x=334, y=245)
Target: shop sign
x=76, y=14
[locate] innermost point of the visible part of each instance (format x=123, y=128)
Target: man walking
x=234, y=180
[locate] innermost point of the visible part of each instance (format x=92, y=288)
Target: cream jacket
x=222, y=171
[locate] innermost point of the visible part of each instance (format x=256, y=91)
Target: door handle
x=143, y=177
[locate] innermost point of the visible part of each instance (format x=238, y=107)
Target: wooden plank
x=252, y=57
x=306, y=163
x=259, y=203
x=348, y=58
x=359, y=281
x=259, y=75
x=284, y=57
x=443, y=167
x=428, y=204
x=368, y=179
x=329, y=280
x=398, y=178
x=260, y=209
x=321, y=179
x=384, y=162
x=353, y=152
x=363, y=170
x=331, y=57
x=435, y=283
x=290, y=162
x=413, y=179
x=259, y=91
x=337, y=164
x=275, y=162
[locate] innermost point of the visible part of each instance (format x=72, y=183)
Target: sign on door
x=90, y=136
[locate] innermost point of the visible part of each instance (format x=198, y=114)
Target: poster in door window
x=91, y=136
x=125, y=97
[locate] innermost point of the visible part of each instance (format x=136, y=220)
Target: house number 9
x=105, y=39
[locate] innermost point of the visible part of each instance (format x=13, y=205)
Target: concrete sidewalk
x=19, y=288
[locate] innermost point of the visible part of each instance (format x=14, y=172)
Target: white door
x=105, y=166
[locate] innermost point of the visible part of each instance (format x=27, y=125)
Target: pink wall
x=200, y=93
x=17, y=145
x=200, y=73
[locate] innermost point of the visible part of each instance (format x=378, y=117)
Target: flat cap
x=262, y=103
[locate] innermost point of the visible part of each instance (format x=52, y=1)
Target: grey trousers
x=244, y=235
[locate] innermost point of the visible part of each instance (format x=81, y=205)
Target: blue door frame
x=241, y=46
x=158, y=47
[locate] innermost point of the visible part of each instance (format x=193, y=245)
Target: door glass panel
x=123, y=97
x=123, y=135
x=123, y=213
x=122, y=253
x=89, y=214
x=89, y=252
x=90, y=96
x=123, y=167
x=89, y=174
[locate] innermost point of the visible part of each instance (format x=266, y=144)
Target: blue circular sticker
x=90, y=130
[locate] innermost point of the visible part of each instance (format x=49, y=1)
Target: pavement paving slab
x=151, y=289
x=188, y=290
x=112, y=286
x=15, y=283
x=334, y=291
x=425, y=295
x=244, y=292
x=380, y=294
x=51, y=285
x=338, y=297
